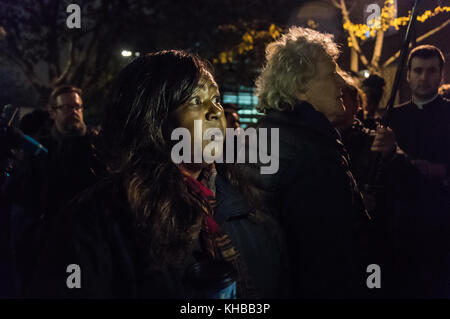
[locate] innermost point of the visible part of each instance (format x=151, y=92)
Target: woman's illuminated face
x=202, y=106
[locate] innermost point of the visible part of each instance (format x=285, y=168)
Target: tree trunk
x=375, y=63
x=354, y=60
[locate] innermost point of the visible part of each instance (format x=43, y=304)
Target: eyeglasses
x=68, y=107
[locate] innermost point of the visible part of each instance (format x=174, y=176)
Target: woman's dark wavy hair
x=136, y=142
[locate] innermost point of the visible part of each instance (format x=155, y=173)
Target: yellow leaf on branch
x=387, y=19
x=247, y=43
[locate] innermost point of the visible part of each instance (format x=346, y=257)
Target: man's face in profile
x=324, y=90
x=424, y=77
x=68, y=114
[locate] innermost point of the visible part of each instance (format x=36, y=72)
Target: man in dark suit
x=422, y=129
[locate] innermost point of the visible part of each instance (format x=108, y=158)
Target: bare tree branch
x=34, y=15
x=13, y=45
x=27, y=69
x=91, y=43
x=419, y=39
x=355, y=43
x=52, y=40
x=336, y=4
x=68, y=67
x=377, y=51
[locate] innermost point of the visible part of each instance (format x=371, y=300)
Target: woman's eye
x=195, y=101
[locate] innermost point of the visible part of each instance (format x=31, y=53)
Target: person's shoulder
x=443, y=107
x=230, y=202
x=401, y=110
x=95, y=204
x=293, y=131
x=279, y=118
x=46, y=139
x=402, y=106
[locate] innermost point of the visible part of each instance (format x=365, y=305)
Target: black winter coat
x=96, y=232
x=40, y=187
x=422, y=219
x=316, y=200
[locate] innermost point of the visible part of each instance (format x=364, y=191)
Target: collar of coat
x=304, y=114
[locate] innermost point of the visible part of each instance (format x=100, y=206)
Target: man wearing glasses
x=71, y=164
x=47, y=183
x=66, y=109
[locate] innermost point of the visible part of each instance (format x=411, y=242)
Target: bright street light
x=365, y=73
x=126, y=53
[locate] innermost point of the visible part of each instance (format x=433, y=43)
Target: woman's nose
x=214, y=112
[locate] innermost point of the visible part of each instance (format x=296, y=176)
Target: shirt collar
x=420, y=104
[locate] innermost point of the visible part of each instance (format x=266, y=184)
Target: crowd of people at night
x=358, y=207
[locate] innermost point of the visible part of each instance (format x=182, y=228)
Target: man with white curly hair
x=313, y=195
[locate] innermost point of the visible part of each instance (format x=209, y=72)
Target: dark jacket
x=316, y=200
x=424, y=134
x=71, y=166
x=42, y=186
x=422, y=223
x=357, y=141
x=383, y=181
x=258, y=238
x=96, y=232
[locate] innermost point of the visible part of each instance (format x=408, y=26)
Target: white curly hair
x=291, y=63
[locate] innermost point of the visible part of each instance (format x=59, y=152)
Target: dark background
x=35, y=41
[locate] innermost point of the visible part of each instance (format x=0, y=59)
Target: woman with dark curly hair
x=150, y=229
